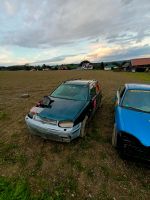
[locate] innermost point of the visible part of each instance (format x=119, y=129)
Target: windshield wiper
x=66, y=98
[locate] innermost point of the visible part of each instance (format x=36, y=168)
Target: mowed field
x=89, y=168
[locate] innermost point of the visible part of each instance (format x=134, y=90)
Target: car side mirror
x=46, y=101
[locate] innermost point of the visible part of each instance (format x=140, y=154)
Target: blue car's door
x=119, y=96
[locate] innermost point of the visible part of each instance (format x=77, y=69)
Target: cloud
x=50, y=23
x=72, y=26
x=126, y=2
x=62, y=58
x=8, y=58
x=128, y=53
x=53, y=59
x=9, y=7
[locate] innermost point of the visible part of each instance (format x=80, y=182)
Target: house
x=86, y=65
x=46, y=69
x=126, y=67
x=140, y=64
x=62, y=67
x=33, y=69
x=107, y=68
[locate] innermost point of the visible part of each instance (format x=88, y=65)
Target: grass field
x=89, y=168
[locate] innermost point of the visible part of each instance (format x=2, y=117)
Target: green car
x=64, y=114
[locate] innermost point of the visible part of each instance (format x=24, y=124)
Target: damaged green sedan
x=64, y=114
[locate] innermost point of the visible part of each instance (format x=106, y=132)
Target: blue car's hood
x=63, y=109
x=137, y=124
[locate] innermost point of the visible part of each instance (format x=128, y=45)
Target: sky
x=69, y=31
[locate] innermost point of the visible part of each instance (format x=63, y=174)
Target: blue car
x=64, y=114
x=131, y=134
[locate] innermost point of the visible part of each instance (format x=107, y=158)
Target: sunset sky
x=69, y=31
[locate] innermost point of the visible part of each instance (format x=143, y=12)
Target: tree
x=84, y=62
x=102, y=65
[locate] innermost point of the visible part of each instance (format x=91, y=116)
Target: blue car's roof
x=137, y=86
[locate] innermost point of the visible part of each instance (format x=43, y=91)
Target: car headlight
x=65, y=124
x=33, y=111
x=31, y=114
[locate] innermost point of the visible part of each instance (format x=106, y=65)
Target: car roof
x=137, y=86
x=80, y=82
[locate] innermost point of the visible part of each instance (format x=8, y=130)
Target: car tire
x=83, y=130
x=114, y=137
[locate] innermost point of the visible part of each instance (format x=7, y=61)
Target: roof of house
x=137, y=86
x=140, y=61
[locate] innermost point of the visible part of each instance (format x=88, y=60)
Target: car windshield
x=72, y=92
x=137, y=99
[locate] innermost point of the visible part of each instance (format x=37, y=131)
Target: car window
x=137, y=99
x=70, y=91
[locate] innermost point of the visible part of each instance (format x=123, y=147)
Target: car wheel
x=114, y=137
x=83, y=130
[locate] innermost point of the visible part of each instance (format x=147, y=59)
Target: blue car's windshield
x=137, y=99
x=73, y=92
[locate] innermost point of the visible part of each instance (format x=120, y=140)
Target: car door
x=119, y=96
x=93, y=97
x=98, y=94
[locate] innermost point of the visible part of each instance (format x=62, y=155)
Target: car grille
x=133, y=147
x=46, y=120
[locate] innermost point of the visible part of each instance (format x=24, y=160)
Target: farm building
x=140, y=64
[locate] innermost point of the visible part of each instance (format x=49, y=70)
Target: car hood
x=137, y=124
x=63, y=109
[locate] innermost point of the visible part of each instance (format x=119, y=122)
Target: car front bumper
x=134, y=148
x=52, y=132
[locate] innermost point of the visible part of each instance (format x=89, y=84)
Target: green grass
x=140, y=76
x=87, y=168
x=76, y=164
x=14, y=190
x=90, y=173
x=7, y=153
x=38, y=165
x=15, y=136
x=106, y=170
x=22, y=158
x=56, y=148
x=104, y=194
x=10, y=154
x=84, y=143
x=3, y=115
x=19, y=189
